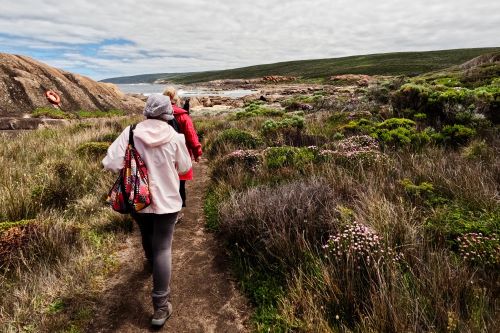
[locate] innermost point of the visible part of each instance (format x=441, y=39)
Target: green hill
x=397, y=63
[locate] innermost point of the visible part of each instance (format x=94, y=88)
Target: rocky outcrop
x=24, y=81
x=278, y=78
x=357, y=79
x=485, y=59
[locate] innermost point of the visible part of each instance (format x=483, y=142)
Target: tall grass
x=58, y=236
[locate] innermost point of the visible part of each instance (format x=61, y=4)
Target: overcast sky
x=114, y=38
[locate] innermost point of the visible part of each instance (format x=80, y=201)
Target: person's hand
x=197, y=159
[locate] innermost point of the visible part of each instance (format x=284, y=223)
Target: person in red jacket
x=193, y=144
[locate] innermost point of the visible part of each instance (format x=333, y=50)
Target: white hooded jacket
x=165, y=154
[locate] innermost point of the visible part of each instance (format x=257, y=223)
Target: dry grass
x=50, y=279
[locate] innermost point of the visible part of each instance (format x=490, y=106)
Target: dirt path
x=203, y=294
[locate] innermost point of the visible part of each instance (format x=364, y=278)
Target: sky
x=104, y=39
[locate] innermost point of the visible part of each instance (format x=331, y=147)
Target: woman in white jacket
x=165, y=155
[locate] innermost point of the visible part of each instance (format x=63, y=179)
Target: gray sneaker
x=161, y=315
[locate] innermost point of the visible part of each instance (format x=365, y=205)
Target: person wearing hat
x=165, y=154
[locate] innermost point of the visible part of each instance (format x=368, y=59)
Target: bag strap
x=131, y=135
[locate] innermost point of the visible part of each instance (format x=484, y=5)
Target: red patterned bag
x=130, y=193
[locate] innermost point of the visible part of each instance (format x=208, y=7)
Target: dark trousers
x=157, y=232
x=182, y=191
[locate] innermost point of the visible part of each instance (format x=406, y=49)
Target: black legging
x=182, y=191
x=157, y=231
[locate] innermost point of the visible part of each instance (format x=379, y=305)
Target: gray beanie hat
x=159, y=106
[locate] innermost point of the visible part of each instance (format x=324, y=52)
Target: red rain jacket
x=186, y=127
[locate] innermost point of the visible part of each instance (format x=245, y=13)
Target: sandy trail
x=204, y=296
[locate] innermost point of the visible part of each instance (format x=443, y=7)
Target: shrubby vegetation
x=56, y=113
x=56, y=232
x=387, y=223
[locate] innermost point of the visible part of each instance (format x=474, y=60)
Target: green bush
x=232, y=138
x=110, y=137
x=100, y=114
x=58, y=187
x=97, y=149
x=7, y=225
x=52, y=113
x=478, y=150
x=455, y=135
x=423, y=193
x=293, y=157
x=287, y=131
x=454, y=220
x=441, y=104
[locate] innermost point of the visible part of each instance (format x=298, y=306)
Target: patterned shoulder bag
x=130, y=193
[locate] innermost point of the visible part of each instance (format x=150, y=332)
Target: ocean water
x=148, y=89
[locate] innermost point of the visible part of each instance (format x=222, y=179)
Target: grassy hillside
x=407, y=63
x=144, y=78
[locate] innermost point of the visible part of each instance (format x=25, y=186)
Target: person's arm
x=116, y=152
x=182, y=157
x=192, y=140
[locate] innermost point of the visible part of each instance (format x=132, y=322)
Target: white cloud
x=192, y=35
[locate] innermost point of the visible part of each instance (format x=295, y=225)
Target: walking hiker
x=186, y=127
x=165, y=155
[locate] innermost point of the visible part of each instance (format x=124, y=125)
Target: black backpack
x=175, y=125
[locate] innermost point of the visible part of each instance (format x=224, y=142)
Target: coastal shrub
x=379, y=92
x=302, y=102
x=455, y=135
x=478, y=150
x=287, y=131
x=207, y=127
x=52, y=113
x=96, y=149
x=359, y=260
x=360, y=126
x=257, y=109
x=423, y=193
x=293, y=157
x=480, y=250
x=239, y=161
x=58, y=187
x=441, y=104
x=109, y=137
x=455, y=219
x=293, y=219
x=232, y=138
x=100, y=114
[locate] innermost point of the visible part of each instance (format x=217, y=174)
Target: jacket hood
x=153, y=132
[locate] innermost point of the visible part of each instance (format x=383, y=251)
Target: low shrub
x=292, y=157
x=455, y=220
x=257, y=110
x=58, y=187
x=478, y=150
x=95, y=149
x=455, y=135
x=480, y=250
x=359, y=260
x=284, y=132
x=100, y=114
x=279, y=225
x=246, y=161
x=423, y=193
x=52, y=113
x=230, y=139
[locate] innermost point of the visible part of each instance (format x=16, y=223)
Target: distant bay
x=149, y=88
